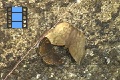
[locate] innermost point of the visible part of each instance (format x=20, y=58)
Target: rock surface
x=98, y=19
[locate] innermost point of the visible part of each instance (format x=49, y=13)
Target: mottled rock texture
x=98, y=19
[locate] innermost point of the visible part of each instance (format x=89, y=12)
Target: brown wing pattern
x=63, y=34
x=76, y=45
x=48, y=54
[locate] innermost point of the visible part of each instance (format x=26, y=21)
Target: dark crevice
x=102, y=24
x=98, y=5
x=106, y=24
x=115, y=15
x=4, y=38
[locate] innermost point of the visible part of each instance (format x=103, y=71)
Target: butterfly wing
x=48, y=53
x=59, y=34
x=71, y=37
x=76, y=45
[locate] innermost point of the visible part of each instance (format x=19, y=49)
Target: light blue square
x=16, y=24
x=16, y=16
x=16, y=9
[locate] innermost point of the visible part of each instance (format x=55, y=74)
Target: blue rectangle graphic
x=16, y=16
x=16, y=24
x=16, y=9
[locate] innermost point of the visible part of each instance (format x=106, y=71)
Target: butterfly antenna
x=33, y=47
